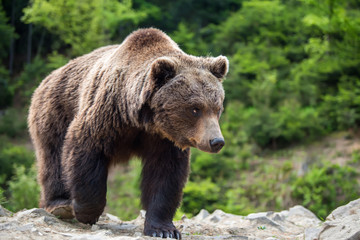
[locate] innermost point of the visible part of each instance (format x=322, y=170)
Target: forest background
x=294, y=80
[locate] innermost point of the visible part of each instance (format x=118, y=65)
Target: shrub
x=5, y=93
x=2, y=198
x=23, y=188
x=212, y=166
x=324, y=188
x=29, y=78
x=123, y=196
x=355, y=157
x=237, y=202
x=10, y=155
x=200, y=195
x=294, y=123
x=13, y=123
x=343, y=109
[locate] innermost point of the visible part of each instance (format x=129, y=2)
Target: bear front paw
x=87, y=214
x=162, y=231
x=86, y=218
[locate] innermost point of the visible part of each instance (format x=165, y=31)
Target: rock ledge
x=295, y=223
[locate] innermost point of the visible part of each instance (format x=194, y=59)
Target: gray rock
x=50, y=220
x=253, y=216
x=303, y=217
x=351, y=208
x=347, y=228
x=277, y=218
x=8, y=225
x=215, y=219
x=124, y=227
x=112, y=217
x=220, y=213
x=26, y=227
x=33, y=213
x=300, y=210
x=142, y=214
x=343, y=223
x=4, y=212
x=262, y=218
x=95, y=227
x=202, y=215
x=295, y=223
x=268, y=221
x=312, y=233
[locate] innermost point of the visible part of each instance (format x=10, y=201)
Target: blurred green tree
x=84, y=25
x=6, y=33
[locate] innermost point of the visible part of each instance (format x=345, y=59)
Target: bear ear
x=219, y=66
x=162, y=70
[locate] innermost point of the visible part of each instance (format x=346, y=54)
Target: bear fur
x=144, y=98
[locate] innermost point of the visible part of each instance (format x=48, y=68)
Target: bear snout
x=216, y=144
x=209, y=138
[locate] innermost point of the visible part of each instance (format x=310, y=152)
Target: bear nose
x=216, y=144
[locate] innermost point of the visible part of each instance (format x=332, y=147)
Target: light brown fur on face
x=193, y=87
x=145, y=98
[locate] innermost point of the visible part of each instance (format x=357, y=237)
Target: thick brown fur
x=144, y=98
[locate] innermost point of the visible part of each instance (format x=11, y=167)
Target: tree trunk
x=12, y=41
x=28, y=58
x=39, y=48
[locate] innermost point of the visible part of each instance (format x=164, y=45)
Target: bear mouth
x=193, y=143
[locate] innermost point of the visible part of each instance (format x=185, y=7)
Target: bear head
x=186, y=97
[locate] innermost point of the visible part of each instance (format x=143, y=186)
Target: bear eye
x=195, y=112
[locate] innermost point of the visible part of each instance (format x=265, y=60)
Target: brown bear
x=144, y=98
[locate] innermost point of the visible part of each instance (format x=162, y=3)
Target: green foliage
x=13, y=122
x=264, y=187
x=84, y=25
x=198, y=13
x=5, y=92
x=200, y=195
x=6, y=33
x=297, y=124
x=23, y=188
x=355, y=157
x=31, y=76
x=12, y=154
x=2, y=192
x=291, y=68
x=35, y=72
x=123, y=196
x=56, y=60
x=237, y=203
x=324, y=188
x=294, y=77
x=2, y=198
x=343, y=108
x=274, y=127
x=214, y=167
x=185, y=37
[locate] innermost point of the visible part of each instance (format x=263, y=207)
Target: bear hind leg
x=85, y=169
x=55, y=198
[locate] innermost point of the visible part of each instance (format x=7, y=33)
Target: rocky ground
x=295, y=223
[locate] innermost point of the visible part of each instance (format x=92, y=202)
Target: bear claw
x=165, y=234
